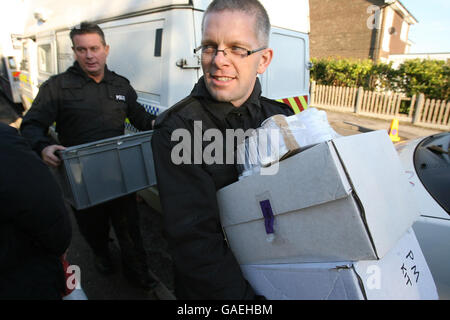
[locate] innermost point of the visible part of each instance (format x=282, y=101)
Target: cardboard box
x=343, y=200
x=402, y=274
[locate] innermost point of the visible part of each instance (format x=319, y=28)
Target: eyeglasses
x=208, y=51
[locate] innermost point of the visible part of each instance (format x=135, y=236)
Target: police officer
x=235, y=37
x=89, y=102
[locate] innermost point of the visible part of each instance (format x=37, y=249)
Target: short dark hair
x=87, y=27
x=7, y=113
x=251, y=7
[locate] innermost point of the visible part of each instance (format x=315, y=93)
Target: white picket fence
x=423, y=112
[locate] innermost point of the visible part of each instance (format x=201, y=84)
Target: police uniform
x=86, y=111
x=205, y=267
x=35, y=228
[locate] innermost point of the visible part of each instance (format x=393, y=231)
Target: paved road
x=115, y=287
x=346, y=124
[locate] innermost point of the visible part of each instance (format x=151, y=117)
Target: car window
x=432, y=163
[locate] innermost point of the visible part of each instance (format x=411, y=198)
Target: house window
x=404, y=32
x=388, y=29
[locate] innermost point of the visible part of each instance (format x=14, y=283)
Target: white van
x=152, y=44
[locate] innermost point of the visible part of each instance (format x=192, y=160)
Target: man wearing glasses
x=234, y=50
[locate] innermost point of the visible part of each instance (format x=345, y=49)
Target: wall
x=340, y=28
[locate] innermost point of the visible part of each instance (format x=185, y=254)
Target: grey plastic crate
x=103, y=170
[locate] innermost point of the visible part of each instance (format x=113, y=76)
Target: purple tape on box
x=267, y=211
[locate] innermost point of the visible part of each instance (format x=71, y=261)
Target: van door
x=136, y=53
x=156, y=53
x=287, y=78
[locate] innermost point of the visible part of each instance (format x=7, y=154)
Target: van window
x=12, y=63
x=158, y=42
x=24, y=63
x=45, y=58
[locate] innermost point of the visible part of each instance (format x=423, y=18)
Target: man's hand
x=49, y=157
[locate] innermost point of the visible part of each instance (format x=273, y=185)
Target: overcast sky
x=432, y=33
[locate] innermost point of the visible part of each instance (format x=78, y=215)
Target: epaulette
x=120, y=77
x=281, y=104
x=179, y=106
x=70, y=80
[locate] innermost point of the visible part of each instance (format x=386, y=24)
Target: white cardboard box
x=402, y=274
x=343, y=200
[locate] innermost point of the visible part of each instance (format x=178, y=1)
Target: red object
x=66, y=265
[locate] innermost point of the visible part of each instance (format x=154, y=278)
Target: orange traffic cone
x=393, y=131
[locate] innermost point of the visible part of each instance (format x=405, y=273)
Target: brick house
x=361, y=29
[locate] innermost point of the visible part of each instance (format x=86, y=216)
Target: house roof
x=398, y=5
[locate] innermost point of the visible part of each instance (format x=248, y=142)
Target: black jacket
x=205, y=267
x=84, y=110
x=35, y=228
